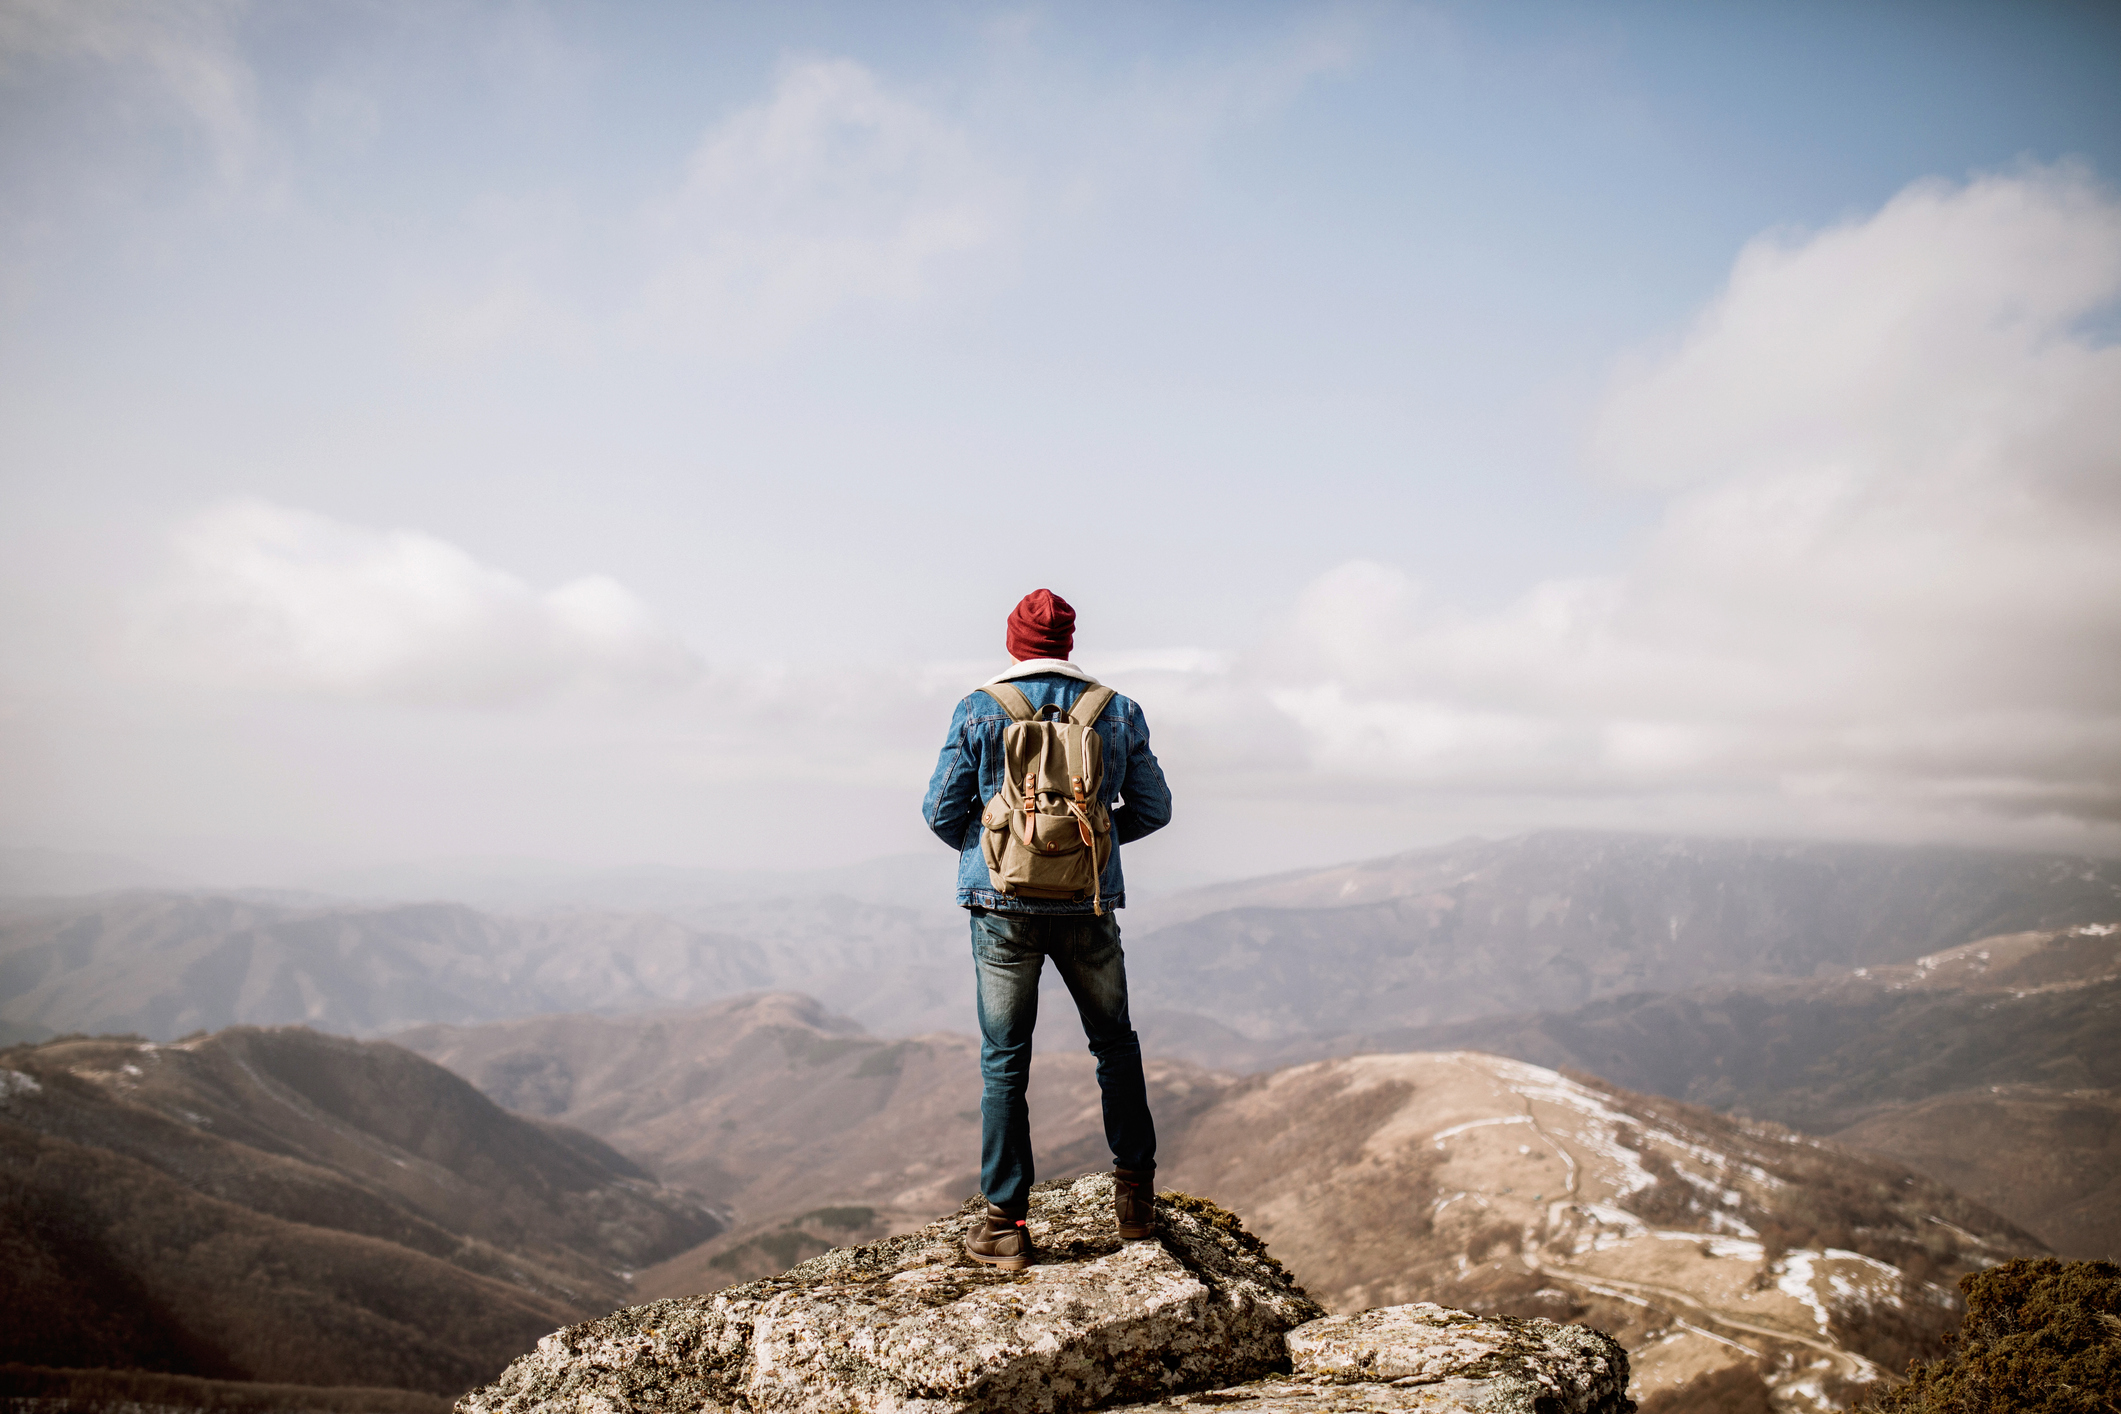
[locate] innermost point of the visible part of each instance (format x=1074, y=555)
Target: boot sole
x=1136, y=1234
x=1007, y=1264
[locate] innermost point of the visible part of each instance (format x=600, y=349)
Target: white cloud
x=1918, y=338
x=1888, y=582
x=263, y=597
x=833, y=191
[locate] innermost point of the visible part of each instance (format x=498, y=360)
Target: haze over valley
x=1946, y=1010
x=1231, y=975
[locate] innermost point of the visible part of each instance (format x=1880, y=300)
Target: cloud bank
x=1887, y=583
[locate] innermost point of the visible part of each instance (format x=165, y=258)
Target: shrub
x=2041, y=1336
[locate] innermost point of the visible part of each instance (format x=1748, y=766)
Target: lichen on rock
x=1432, y=1358
x=1427, y=1342
x=910, y=1324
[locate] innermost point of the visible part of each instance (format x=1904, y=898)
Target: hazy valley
x=772, y=1107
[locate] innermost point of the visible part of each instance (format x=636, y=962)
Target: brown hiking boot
x=1133, y=1192
x=1000, y=1241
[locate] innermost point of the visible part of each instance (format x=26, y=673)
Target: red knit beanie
x=1043, y=626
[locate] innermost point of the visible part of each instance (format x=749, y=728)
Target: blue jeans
x=1008, y=952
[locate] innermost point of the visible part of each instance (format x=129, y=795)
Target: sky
x=615, y=434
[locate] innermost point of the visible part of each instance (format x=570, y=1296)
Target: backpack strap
x=1012, y=700
x=1090, y=706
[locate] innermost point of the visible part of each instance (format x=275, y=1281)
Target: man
x=1013, y=932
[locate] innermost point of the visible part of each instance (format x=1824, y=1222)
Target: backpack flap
x=1047, y=834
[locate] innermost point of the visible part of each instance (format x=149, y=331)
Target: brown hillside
x=1701, y=1242
x=1734, y=1258
x=2050, y=1160
x=1992, y=1066
x=278, y=1205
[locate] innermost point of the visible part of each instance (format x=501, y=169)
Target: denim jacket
x=969, y=772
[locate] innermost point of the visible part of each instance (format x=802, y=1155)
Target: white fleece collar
x=1032, y=666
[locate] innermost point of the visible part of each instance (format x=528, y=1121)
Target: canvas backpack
x=1047, y=833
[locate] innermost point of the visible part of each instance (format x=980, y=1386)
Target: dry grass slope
x=1993, y=1066
x=1701, y=1241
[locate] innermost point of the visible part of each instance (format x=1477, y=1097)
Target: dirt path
x=1847, y=1363
x=1551, y=1142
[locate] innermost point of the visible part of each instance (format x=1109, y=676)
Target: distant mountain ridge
x=2041, y=1007
x=1551, y=921
x=1540, y=923
x=164, y=965
x=1820, y=881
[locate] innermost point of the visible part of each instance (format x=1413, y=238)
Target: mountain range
x=285, y=1205
x=165, y=964
x=1947, y=1017
x=1753, y=977
x=1558, y=920
x=1712, y=1246
x=1239, y=976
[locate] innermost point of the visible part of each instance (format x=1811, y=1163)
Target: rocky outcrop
x=909, y=1324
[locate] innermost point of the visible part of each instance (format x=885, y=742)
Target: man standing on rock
x=1044, y=774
